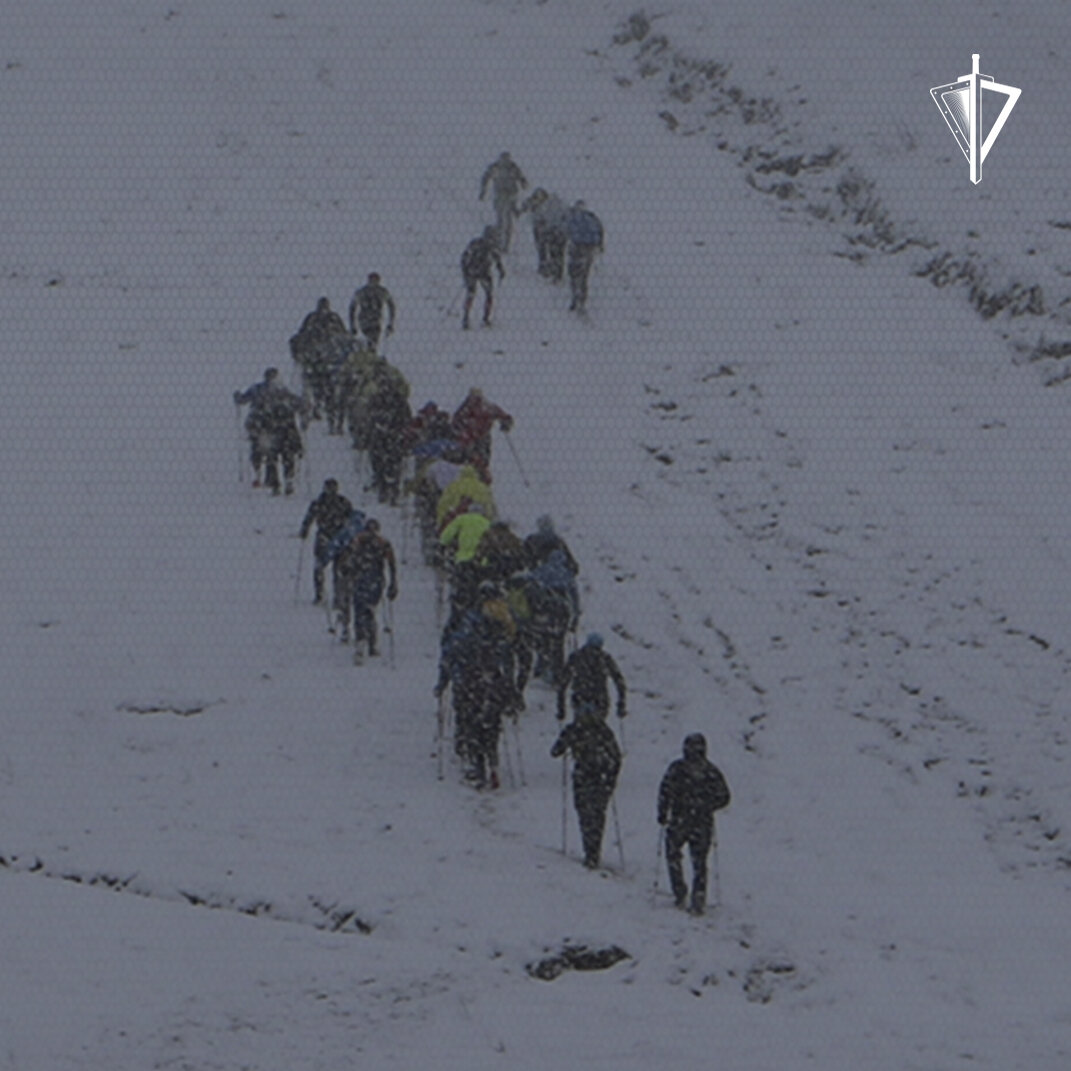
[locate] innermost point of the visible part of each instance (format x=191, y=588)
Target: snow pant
x=386, y=454
x=471, y=283
x=591, y=797
x=495, y=699
x=271, y=449
x=319, y=567
x=581, y=258
x=372, y=329
x=465, y=694
x=550, y=248
x=367, y=592
x=698, y=838
x=505, y=210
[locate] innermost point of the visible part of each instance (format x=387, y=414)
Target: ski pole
x=241, y=445
x=451, y=308
x=520, y=757
x=388, y=628
x=516, y=457
x=658, y=860
x=714, y=861
x=441, y=718
x=509, y=762
x=617, y=832
x=297, y=575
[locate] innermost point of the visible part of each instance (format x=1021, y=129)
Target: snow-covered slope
x=818, y=503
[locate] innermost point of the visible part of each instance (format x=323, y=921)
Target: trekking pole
x=509, y=763
x=441, y=726
x=565, y=825
x=520, y=757
x=452, y=307
x=238, y=439
x=617, y=832
x=658, y=861
x=297, y=575
x=714, y=861
x=516, y=457
x=388, y=628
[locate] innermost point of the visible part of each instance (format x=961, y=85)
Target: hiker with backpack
x=549, y=230
x=506, y=181
x=596, y=764
x=691, y=790
x=478, y=661
x=586, y=680
x=366, y=311
x=479, y=257
x=329, y=511
x=272, y=429
x=312, y=349
x=361, y=565
x=471, y=427
x=388, y=415
x=554, y=604
x=585, y=240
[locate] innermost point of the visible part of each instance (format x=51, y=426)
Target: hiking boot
x=289, y=487
x=493, y=783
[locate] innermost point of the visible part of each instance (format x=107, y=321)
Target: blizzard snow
x=819, y=505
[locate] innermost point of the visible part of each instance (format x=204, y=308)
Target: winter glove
x=506, y=423
x=390, y=330
x=392, y=592
x=237, y=396
x=621, y=711
x=437, y=691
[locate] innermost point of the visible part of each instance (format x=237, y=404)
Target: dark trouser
x=385, y=453
x=581, y=257
x=504, y=212
x=319, y=554
x=268, y=449
x=698, y=840
x=371, y=329
x=486, y=728
x=367, y=591
x=550, y=246
x=471, y=282
x=591, y=801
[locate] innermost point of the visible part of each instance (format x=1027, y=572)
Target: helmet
x=373, y=277
x=545, y=524
x=371, y=525
x=270, y=373
x=594, y=639
x=330, y=485
x=322, y=304
x=695, y=746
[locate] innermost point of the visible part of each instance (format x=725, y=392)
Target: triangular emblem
x=960, y=103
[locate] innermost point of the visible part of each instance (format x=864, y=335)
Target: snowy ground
x=819, y=505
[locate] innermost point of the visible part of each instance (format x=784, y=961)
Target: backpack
x=476, y=260
x=585, y=228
